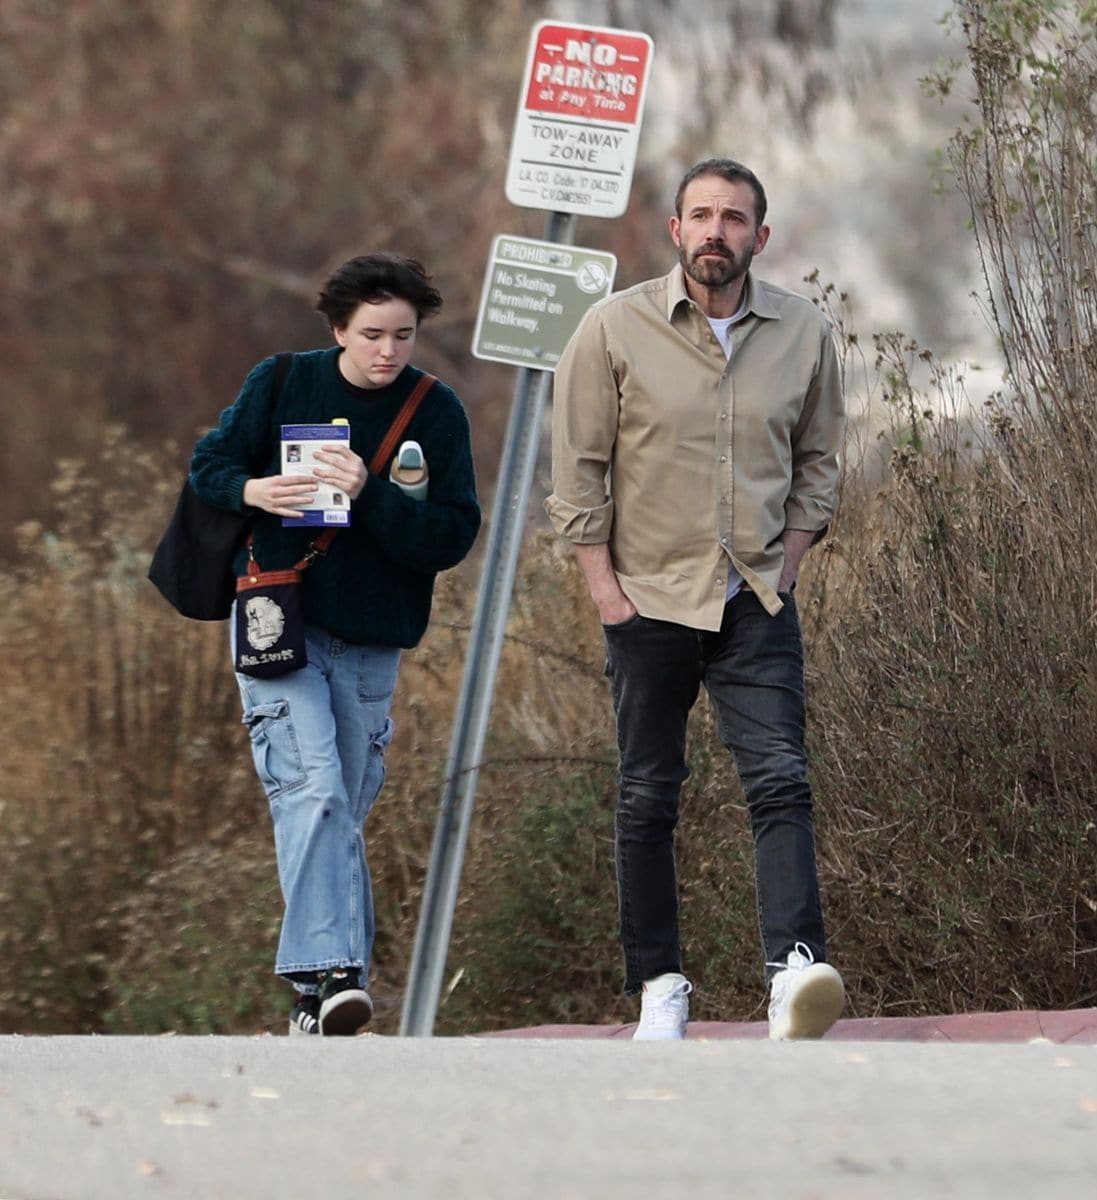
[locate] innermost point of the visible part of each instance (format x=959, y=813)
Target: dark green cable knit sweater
x=374, y=585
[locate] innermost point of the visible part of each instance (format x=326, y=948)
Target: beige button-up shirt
x=686, y=461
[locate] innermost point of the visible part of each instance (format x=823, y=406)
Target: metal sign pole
x=516, y=471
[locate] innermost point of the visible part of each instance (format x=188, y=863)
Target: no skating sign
x=535, y=294
x=578, y=124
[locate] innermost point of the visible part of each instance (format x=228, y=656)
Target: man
x=696, y=433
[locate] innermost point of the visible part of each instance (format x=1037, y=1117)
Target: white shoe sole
x=345, y=1013
x=815, y=1004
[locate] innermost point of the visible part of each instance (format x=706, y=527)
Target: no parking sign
x=578, y=124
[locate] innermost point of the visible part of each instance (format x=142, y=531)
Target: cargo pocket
x=380, y=739
x=373, y=778
x=274, y=748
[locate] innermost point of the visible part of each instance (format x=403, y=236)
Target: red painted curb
x=1073, y=1026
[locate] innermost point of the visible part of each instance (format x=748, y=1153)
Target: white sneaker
x=664, y=1009
x=806, y=997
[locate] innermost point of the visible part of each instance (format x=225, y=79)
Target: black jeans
x=753, y=670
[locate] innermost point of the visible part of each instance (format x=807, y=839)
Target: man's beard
x=714, y=272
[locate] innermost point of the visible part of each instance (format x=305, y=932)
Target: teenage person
x=318, y=735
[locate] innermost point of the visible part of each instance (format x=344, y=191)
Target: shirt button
x=723, y=416
x=723, y=458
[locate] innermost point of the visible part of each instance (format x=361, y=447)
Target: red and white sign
x=578, y=125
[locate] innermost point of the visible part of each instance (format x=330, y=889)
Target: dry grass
x=952, y=703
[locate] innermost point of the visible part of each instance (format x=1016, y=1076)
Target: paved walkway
x=541, y=1118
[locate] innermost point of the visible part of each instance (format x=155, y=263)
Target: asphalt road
x=225, y=1118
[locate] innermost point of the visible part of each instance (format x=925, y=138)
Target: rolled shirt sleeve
x=584, y=430
x=817, y=446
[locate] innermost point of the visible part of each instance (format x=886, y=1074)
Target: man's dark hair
x=733, y=172
x=372, y=279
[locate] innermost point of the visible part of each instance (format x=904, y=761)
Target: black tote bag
x=192, y=565
x=193, y=562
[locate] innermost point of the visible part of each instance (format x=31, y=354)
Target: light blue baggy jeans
x=318, y=738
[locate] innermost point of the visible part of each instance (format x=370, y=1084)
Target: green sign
x=535, y=295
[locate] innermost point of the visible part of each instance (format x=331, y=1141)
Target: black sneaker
x=305, y=1017
x=345, y=1005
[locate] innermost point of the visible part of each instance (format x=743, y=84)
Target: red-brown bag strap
x=396, y=429
x=376, y=464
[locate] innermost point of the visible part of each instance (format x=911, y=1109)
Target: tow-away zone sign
x=578, y=123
